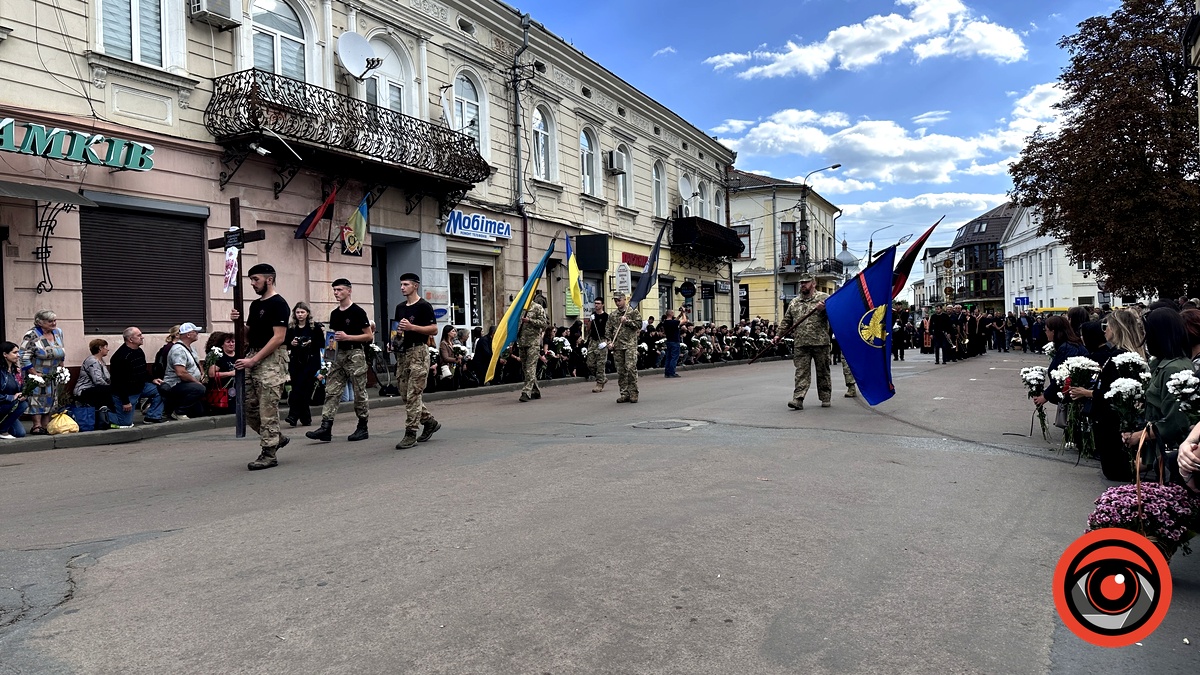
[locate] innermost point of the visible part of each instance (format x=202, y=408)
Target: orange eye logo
x=1112, y=587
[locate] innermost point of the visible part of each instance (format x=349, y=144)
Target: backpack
x=160, y=361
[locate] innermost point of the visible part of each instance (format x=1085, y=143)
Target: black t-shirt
x=264, y=316
x=351, y=321
x=420, y=313
x=670, y=328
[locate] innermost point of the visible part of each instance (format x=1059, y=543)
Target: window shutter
x=150, y=38
x=118, y=29
x=141, y=269
x=264, y=52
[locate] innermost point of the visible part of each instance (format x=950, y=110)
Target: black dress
x=304, y=362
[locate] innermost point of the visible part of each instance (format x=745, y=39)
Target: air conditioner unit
x=683, y=211
x=219, y=13
x=617, y=163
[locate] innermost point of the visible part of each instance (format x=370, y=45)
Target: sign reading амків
x=75, y=146
x=477, y=226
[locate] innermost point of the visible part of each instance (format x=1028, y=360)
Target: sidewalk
x=143, y=431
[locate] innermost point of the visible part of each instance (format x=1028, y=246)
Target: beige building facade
x=471, y=137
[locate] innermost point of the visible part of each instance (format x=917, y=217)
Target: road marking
x=971, y=380
x=939, y=398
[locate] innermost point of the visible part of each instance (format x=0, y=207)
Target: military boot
x=623, y=399
x=851, y=392
x=321, y=433
x=428, y=430
x=598, y=388
x=796, y=404
x=360, y=434
x=633, y=398
x=536, y=394
x=409, y=440
x=524, y=398
x=265, y=460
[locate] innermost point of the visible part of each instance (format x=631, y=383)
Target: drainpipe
x=516, y=84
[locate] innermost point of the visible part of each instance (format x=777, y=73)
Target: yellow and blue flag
x=860, y=314
x=506, y=330
x=354, y=232
x=573, y=275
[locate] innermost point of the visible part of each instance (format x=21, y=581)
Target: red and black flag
x=310, y=221
x=905, y=264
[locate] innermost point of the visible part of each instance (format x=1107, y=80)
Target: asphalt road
x=706, y=529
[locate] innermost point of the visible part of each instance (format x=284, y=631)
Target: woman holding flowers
x=447, y=358
x=12, y=400
x=1066, y=345
x=1166, y=424
x=1100, y=341
x=42, y=352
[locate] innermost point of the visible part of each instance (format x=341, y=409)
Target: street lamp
x=804, y=209
x=871, y=242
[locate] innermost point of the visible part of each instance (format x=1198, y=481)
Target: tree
x=1118, y=182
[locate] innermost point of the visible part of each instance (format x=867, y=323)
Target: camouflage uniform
x=623, y=344
x=412, y=372
x=348, y=365
x=529, y=339
x=812, y=345
x=597, y=358
x=264, y=388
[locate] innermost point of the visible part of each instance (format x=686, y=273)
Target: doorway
x=466, y=296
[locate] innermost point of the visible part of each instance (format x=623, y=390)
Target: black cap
x=342, y=282
x=261, y=268
x=409, y=276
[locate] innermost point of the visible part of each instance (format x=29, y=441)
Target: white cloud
x=723, y=61
x=912, y=215
x=828, y=184
x=664, y=50
x=932, y=28
x=732, y=127
x=931, y=117
x=886, y=152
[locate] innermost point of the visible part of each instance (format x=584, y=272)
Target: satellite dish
x=357, y=55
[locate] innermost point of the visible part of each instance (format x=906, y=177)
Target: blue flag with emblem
x=860, y=314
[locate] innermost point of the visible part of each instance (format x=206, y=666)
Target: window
x=587, y=162
x=389, y=86
x=719, y=207
x=133, y=30
x=170, y=251
x=624, y=191
x=685, y=194
x=743, y=233
x=543, y=145
x=703, y=190
x=660, y=190
x=466, y=108
x=787, y=244
x=1084, y=265
x=1087, y=301
x=278, y=39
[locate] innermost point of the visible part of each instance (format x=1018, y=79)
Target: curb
x=144, y=432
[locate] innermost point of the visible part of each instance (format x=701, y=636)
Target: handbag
x=61, y=424
x=445, y=371
x=84, y=416
x=1060, y=417
x=217, y=398
x=102, y=421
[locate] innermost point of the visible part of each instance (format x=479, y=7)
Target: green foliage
x=1118, y=182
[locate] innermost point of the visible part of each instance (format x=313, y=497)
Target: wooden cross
x=236, y=237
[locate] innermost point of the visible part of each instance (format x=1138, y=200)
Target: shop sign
x=75, y=146
x=624, y=279
x=722, y=286
x=638, y=261
x=477, y=226
x=706, y=292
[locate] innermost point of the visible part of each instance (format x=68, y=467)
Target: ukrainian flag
x=506, y=330
x=860, y=314
x=354, y=232
x=573, y=276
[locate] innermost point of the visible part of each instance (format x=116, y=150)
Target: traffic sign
x=1021, y=301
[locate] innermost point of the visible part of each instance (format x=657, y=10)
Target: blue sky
x=923, y=102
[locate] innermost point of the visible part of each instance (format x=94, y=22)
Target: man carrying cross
x=265, y=363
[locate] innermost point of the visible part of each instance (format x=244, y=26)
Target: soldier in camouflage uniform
x=621, y=335
x=265, y=363
x=848, y=376
x=812, y=342
x=417, y=323
x=353, y=334
x=529, y=339
x=597, y=357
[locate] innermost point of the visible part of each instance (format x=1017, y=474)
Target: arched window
x=278, y=39
x=587, y=162
x=543, y=144
x=685, y=194
x=390, y=86
x=718, y=207
x=660, y=190
x=703, y=203
x=467, y=105
x=624, y=181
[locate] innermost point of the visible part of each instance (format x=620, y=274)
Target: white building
x=1037, y=267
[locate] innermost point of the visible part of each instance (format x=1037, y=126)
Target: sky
x=924, y=103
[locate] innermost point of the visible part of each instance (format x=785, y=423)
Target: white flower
x=215, y=351
x=583, y=351
x=1034, y=377
x=1128, y=358
x=37, y=378
x=433, y=351
x=1125, y=388
x=1183, y=386
x=62, y=375
x=376, y=348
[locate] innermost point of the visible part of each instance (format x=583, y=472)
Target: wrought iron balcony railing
x=246, y=103
x=797, y=263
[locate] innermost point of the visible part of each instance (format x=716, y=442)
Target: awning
x=704, y=237
x=42, y=193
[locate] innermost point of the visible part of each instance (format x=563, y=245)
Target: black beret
x=342, y=282
x=409, y=276
x=261, y=268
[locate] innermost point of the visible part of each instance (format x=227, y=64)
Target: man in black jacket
x=131, y=382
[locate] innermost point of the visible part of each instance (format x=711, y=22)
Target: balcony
x=339, y=135
x=829, y=268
